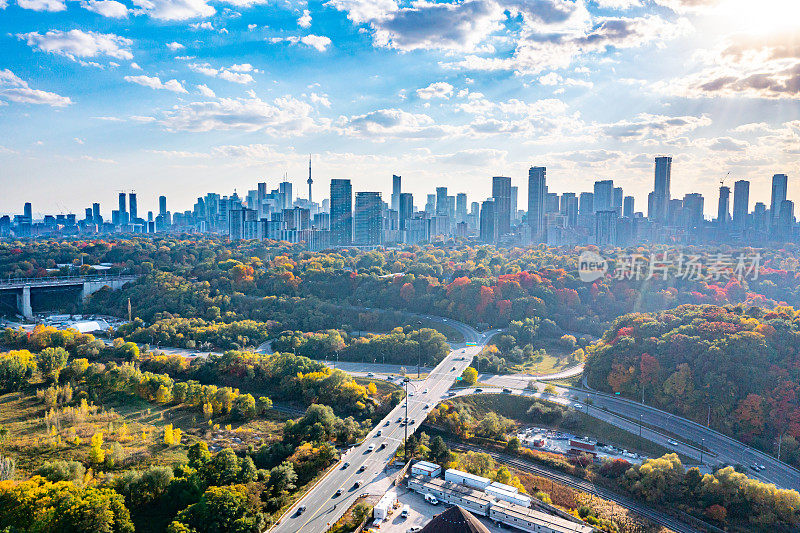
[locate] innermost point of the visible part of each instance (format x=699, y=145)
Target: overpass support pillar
x=24, y=302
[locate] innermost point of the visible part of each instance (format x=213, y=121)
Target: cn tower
x=309, y=181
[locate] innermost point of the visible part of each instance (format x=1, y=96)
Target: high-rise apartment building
x=406, y=210
x=627, y=207
x=341, y=212
x=779, y=184
x=368, y=227
x=537, y=190
x=741, y=201
x=603, y=195
x=661, y=189
x=461, y=207
x=133, y=207
x=488, y=223
x=501, y=192
x=396, y=191
x=723, y=208
x=441, y=201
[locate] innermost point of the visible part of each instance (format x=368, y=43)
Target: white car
x=425, y=391
x=672, y=442
x=371, y=447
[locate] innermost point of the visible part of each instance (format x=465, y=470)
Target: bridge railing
x=66, y=280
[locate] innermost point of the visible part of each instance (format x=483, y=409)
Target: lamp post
x=419, y=348
x=407, y=382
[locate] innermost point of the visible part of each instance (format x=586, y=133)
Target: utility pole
x=406, y=381
x=419, y=349
x=780, y=440
x=708, y=419
x=702, y=446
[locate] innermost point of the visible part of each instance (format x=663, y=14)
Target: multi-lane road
x=362, y=464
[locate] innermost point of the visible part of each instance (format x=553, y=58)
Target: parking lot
x=420, y=513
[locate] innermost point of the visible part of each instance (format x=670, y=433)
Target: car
x=672, y=442
x=362, y=468
x=451, y=393
x=453, y=369
x=399, y=418
x=478, y=390
x=301, y=510
x=371, y=447
x=427, y=406
x=378, y=434
x=577, y=406
x=370, y=375
x=414, y=529
x=337, y=493
x=425, y=391
x=411, y=422
x=754, y=467
x=382, y=446
x=345, y=465
x=364, y=495
x=402, y=422
x=431, y=499
x=507, y=390
x=357, y=483
x=388, y=422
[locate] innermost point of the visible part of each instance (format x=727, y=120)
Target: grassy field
x=35, y=437
x=516, y=408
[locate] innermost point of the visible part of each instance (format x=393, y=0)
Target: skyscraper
x=96, y=213
x=488, y=223
x=693, y=209
x=779, y=184
x=537, y=189
x=367, y=220
x=660, y=198
x=514, y=203
x=134, y=210
x=441, y=201
x=406, y=210
x=461, y=207
x=741, y=200
x=285, y=189
x=261, y=195
x=162, y=205
x=27, y=212
x=603, y=195
x=627, y=207
x=723, y=208
x=396, y=191
x=617, y=201
x=341, y=212
x=501, y=192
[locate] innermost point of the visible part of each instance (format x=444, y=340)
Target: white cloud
x=175, y=46
x=14, y=88
x=42, y=5
x=318, y=42
x=647, y=126
x=234, y=73
x=206, y=91
x=135, y=66
x=618, y=4
x=283, y=116
x=304, y=21
x=744, y=66
x=76, y=43
x=439, y=89
x=107, y=8
x=154, y=82
x=175, y=9
x=202, y=26
x=382, y=124
x=3, y=4
x=539, y=51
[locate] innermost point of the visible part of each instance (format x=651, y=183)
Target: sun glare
x=760, y=16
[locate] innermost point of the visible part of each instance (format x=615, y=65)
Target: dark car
x=301, y=510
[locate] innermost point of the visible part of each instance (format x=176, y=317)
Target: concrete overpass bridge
x=83, y=286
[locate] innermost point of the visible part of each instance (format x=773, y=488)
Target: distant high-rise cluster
x=604, y=216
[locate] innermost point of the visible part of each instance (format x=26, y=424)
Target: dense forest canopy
x=739, y=364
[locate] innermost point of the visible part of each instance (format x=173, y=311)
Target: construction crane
x=722, y=180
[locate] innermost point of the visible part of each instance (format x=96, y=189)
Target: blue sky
x=182, y=97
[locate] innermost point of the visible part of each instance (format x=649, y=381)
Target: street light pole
x=702, y=445
x=405, y=439
x=419, y=348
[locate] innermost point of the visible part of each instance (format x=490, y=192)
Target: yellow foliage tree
x=96, y=453
x=169, y=438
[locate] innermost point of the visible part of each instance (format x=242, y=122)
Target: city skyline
x=171, y=97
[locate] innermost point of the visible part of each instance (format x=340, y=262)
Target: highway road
x=363, y=463
x=668, y=430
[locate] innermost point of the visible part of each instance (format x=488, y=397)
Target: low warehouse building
x=533, y=521
x=465, y=478
x=385, y=505
x=425, y=468
x=453, y=493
